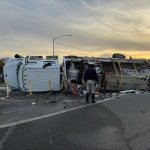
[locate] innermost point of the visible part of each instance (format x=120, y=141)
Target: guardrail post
x=30, y=87
x=50, y=88
x=7, y=89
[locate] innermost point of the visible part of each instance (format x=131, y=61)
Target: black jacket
x=90, y=74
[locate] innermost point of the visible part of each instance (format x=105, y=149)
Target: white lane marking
x=50, y=115
x=108, y=99
x=6, y=135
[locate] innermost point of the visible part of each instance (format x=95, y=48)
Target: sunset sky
x=98, y=27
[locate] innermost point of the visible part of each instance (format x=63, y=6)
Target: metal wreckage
x=115, y=73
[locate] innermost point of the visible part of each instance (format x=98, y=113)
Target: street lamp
x=57, y=38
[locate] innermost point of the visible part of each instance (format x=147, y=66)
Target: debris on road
x=52, y=100
x=67, y=101
x=2, y=98
x=127, y=91
x=33, y=103
x=65, y=105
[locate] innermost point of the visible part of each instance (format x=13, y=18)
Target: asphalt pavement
x=134, y=112
x=89, y=128
x=121, y=122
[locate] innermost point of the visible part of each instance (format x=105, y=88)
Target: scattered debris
x=65, y=105
x=2, y=98
x=115, y=95
x=52, y=100
x=33, y=103
x=97, y=94
x=101, y=102
x=127, y=91
x=131, y=91
x=137, y=92
x=82, y=92
x=67, y=101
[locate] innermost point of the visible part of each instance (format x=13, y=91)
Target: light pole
x=57, y=38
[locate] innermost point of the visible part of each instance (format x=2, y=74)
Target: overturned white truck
x=115, y=73
x=32, y=73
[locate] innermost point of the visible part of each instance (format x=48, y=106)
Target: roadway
x=120, y=123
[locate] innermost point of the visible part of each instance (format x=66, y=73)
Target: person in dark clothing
x=90, y=78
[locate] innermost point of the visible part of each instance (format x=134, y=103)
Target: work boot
x=93, y=98
x=87, y=97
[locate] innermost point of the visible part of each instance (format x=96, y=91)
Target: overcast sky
x=98, y=27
